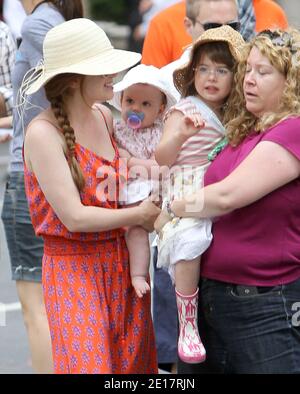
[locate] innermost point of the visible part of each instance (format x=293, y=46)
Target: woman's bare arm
x=44, y=155
x=178, y=128
x=268, y=167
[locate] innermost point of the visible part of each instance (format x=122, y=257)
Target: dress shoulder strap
x=104, y=117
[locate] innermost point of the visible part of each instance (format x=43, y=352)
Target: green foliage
x=108, y=10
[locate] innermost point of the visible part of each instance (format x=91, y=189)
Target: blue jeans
x=25, y=248
x=248, y=333
x=164, y=315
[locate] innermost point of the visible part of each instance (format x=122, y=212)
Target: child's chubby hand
x=190, y=125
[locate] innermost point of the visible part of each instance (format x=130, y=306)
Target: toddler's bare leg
x=187, y=274
x=139, y=252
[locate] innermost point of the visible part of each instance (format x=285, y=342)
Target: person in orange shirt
x=168, y=36
x=269, y=15
x=174, y=28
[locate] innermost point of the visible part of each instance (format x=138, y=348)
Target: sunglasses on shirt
x=213, y=25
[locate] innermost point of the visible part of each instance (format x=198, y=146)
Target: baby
x=142, y=96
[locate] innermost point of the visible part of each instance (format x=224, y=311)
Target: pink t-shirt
x=259, y=244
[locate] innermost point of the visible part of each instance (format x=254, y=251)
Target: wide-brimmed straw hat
x=79, y=46
x=147, y=75
x=224, y=33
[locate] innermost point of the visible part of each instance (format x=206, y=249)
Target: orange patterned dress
x=97, y=323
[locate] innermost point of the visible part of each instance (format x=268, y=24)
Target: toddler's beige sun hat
x=225, y=34
x=79, y=46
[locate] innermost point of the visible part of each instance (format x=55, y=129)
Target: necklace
x=217, y=149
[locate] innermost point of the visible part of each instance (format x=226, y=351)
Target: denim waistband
x=242, y=289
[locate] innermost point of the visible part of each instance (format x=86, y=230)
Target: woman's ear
x=188, y=24
x=75, y=82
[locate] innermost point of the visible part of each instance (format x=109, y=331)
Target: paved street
x=14, y=353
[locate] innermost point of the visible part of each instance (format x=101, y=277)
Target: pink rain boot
x=190, y=347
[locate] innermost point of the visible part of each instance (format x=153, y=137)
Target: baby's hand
x=140, y=285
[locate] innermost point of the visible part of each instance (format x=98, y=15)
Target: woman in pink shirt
x=250, y=294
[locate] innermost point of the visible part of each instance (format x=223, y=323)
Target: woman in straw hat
x=205, y=84
x=251, y=273
x=72, y=177
x=25, y=249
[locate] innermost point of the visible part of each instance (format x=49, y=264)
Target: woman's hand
x=149, y=213
x=162, y=219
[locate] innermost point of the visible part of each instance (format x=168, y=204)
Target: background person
x=170, y=31
x=148, y=9
x=8, y=52
x=166, y=36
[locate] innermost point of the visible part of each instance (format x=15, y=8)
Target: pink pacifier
x=134, y=119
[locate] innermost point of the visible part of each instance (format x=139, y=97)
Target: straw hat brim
x=111, y=62
x=220, y=34
x=234, y=50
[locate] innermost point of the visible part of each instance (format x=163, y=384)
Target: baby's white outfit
x=140, y=143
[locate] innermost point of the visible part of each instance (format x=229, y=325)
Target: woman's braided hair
x=57, y=89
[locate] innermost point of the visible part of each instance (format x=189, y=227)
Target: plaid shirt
x=7, y=60
x=247, y=19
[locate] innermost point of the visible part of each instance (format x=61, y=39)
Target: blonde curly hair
x=282, y=48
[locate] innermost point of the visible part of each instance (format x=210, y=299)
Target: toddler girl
x=205, y=84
